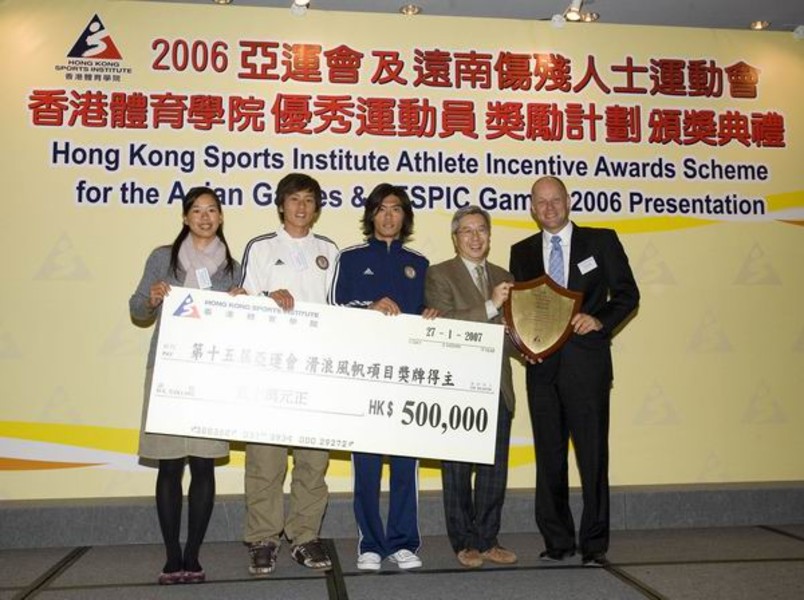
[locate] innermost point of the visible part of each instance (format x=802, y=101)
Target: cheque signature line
x=305, y=409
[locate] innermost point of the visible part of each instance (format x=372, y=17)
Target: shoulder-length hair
x=373, y=203
x=186, y=204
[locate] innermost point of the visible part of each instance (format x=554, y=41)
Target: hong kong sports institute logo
x=187, y=308
x=94, y=57
x=95, y=43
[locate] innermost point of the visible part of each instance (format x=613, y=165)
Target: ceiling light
x=222, y=1
x=299, y=7
x=759, y=25
x=410, y=10
x=575, y=14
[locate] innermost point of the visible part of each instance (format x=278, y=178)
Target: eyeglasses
x=469, y=232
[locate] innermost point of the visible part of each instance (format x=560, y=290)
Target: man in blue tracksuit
x=384, y=275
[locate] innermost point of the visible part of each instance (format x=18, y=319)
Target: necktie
x=482, y=284
x=555, y=267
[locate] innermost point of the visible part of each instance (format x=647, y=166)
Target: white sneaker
x=369, y=561
x=405, y=559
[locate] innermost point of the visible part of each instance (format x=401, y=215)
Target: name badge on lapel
x=587, y=265
x=202, y=275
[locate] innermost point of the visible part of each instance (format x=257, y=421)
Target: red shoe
x=195, y=576
x=171, y=578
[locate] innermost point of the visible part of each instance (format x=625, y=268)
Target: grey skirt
x=161, y=446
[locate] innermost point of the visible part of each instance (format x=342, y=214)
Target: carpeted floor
x=732, y=563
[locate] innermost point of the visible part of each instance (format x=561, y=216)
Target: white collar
x=565, y=234
x=470, y=266
x=284, y=234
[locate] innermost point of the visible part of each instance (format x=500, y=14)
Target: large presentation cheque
x=239, y=368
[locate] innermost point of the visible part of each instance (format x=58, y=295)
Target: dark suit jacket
x=609, y=290
x=450, y=288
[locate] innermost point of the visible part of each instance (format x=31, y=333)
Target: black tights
x=201, y=499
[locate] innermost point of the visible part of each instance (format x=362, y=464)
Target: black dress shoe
x=595, y=559
x=557, y=555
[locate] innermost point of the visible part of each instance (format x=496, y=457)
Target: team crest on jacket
x=410, y=272
x=322, y=262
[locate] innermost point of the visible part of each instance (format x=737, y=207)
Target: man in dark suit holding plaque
x=470, y=288
x=568, y=391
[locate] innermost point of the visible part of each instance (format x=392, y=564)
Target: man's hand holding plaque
x=538, y=315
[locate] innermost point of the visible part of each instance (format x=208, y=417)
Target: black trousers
x=574, y=406
x=473, y=516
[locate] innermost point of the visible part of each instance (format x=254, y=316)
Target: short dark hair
x=373, y=203
x=297, y=182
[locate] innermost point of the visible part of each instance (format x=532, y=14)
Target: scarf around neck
x=210, y=258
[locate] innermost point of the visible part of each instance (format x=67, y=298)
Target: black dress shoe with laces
x=595, y=559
